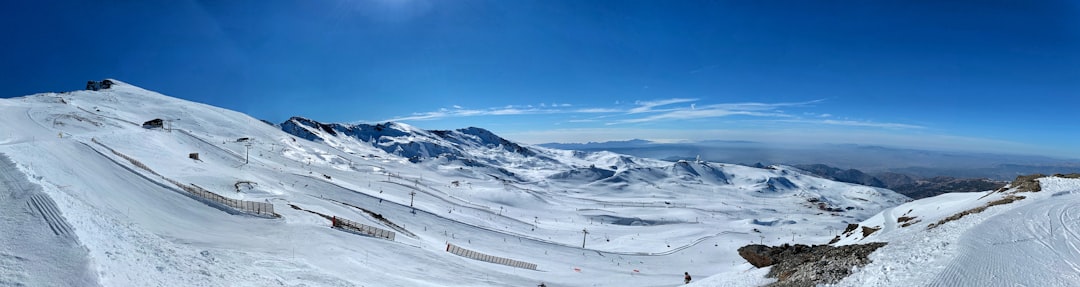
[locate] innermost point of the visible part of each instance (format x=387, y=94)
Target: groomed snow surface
x=77, y=213
x=1030, y=242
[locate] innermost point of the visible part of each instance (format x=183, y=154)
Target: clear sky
x=966, y=75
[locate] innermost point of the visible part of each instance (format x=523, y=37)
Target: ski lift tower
x=247, y=151
x=585, y=232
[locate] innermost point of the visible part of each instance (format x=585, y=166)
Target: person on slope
x=686, y=277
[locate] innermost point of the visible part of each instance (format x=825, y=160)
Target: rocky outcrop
x=802, y=265
x=1025, y=183
x=758, y=255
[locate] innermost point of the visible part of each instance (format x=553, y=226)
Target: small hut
x=154, y=124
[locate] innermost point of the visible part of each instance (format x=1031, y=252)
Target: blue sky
x=961, y=75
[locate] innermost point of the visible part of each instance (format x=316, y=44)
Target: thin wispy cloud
x=649, y=106
x=662, y=111
x=458, y=112
x=696, y=114
x=693, y=111
x=598, y=111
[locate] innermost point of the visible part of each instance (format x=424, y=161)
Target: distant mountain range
x=907, y=184
x=869, y=159
x=482, y=149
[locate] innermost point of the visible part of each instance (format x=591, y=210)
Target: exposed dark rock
x=757, y=254
x=1026, y=183
x=95, y=85
x=802, y=265
x=1006, y=200
x=866, y=230
x=850, y=227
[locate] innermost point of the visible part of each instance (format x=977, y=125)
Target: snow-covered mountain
x=473, y=147
x=125, y=186
x=407, y=141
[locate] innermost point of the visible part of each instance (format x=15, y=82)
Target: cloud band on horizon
x=662, y=110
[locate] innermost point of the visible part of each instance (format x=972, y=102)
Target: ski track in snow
x=37, y=245
x=1039, y=240
x=1029, y=242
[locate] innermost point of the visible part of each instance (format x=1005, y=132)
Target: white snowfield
x=90, y=197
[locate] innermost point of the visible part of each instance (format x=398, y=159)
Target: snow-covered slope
x=1011, y=237
x=84, y=170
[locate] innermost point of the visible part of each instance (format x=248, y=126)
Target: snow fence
x=264, y=209
x=356, y=227
x=251, y=207
x=488, y=258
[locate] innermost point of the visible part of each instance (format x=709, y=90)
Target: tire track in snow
x=47, y=208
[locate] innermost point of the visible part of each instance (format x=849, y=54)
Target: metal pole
x=412, y=195
x=584, y=233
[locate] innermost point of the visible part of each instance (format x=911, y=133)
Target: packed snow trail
x=37, y=246
x=1034, y=241
x=1032, y=245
